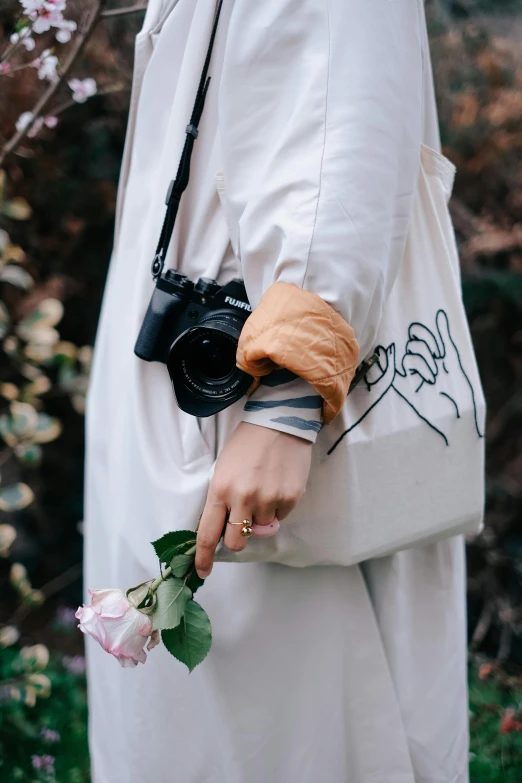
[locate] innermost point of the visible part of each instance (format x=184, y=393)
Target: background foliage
x=57, y=200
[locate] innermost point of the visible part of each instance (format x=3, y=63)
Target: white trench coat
x=304, y=172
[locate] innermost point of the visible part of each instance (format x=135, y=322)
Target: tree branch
x=131, y=9
x=51, y=588
x=85, y=29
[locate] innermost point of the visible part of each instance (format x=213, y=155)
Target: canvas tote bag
x=403, y=464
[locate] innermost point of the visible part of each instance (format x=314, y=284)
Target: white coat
x=304, y=172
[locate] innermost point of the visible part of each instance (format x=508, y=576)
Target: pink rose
x=119, y=627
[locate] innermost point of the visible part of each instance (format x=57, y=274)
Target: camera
x=194, y=329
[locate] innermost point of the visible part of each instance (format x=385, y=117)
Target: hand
x=429, y=369
x=260, y=475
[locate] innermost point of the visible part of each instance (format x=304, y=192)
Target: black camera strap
x=178, y=185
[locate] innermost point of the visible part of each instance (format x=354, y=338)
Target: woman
x=302, y=183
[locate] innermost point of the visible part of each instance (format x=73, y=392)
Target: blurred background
x=64, y=96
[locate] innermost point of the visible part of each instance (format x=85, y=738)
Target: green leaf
x=29, y=454
x=171, y=599
x=24, y=419
x=191, y=640
x=15, y=497
x=47, y=314
x=181, y=563
x=194, y=582
x=173, y=543
x=47, y=429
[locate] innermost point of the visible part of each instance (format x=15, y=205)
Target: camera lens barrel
x=202, y=364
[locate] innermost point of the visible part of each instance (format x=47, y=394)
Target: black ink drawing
x=421, y=378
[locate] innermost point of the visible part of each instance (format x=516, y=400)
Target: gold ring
x=246, y=527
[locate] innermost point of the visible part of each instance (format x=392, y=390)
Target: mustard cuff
x=297, y=330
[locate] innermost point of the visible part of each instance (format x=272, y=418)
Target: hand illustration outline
x=430, y=359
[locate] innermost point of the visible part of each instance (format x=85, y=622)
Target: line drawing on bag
x=422, y=379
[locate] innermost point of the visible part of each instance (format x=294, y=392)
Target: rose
x=117, y=626
x=121, y=622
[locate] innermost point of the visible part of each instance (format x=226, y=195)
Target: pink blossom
x=49, y=735
x=59, y=5
x=119, y=627
x=5, y=67
x=65, y=615
x=36, y=127
x=75, y=664
x=47, y=19
x=485, y=671
x=26, y=119
x=45, y=763
x=509, y=722
x=82, y=89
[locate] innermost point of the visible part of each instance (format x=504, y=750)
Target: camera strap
x=178, y=185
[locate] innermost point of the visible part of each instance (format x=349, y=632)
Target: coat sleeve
x=320, y=114
x=320, y=122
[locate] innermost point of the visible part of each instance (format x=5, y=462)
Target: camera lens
x=212, y=357
x=202, y=364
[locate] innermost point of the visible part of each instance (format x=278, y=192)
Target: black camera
x=194, y=330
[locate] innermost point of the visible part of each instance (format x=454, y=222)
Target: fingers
x=284, y=509
x=380, y=377
x=419, y=347
x=413, y=364
x=265, y=531
x=444, y=332
x=420, y=332
x=209, y=532
x=233, y=538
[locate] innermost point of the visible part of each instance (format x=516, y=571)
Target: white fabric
x=348, y=675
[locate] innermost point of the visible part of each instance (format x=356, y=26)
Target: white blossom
x=47, y=19
x=46, y=65
x=65, y=31
x=24, y=34
x=33, y=6
x=58, y=5
x=82, y=89
x=24, y=120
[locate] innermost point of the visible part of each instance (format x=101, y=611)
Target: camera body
x=194, y=329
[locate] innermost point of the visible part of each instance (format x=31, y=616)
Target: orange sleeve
x=299, y=331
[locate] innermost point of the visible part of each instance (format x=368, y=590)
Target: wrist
x=285, y=403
